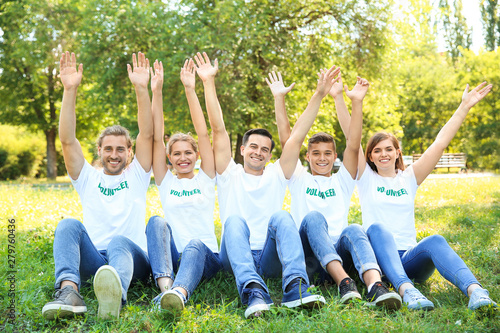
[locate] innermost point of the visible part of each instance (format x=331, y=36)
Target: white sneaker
x=108, y=290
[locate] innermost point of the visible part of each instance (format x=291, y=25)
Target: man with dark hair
x=320, y=203
x=111, y=241
x=259, y=239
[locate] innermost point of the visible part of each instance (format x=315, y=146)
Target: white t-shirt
x=330, y=196
x=254, y=198
x=391, y=202
x=114, y=205
x=188, y=205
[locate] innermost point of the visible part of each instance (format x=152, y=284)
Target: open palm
x=475, y=95
x=70, y=76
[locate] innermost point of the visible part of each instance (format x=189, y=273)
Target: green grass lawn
x=466, y=211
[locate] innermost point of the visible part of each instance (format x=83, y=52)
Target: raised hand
x=188, y=76
x=138, y=73
x=359, y=91
x=70, y=76
x=326, y=79
x=277, y=85
x=337, y=88
x=469, y=99
x=157, y=76
x=204, y=68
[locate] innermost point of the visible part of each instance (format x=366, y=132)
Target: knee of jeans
x=313, y=219
x=68, y=225
x=376, y=229
x=235, y=223
x=194, y=245
x=282, y=218
x=155, y=224
x=118, y=242
x=355, y=231
x=436, y=241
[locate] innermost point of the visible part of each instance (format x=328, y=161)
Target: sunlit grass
x=464, y=210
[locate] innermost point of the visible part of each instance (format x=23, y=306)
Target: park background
x=417, y=55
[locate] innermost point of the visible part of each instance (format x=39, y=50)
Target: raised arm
x=425, y=164
x=222, y=145
x=138, y=74
x=337, y=92
x=188, y=79
x=72, y=151
x=353, y=139
x=291, y=150
x=159, y=154
x=279, y=92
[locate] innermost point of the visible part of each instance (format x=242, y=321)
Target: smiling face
x=183, y=158
x=256, y=153
x=321, y=156
x=384, y=155
x=114, y=154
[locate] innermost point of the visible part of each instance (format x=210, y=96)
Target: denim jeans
x=165, y=259
x=76, y=258
x=353, y=246
x=419, y=262
x=280, y=256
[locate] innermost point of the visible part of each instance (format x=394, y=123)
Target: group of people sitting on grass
x=259, y=239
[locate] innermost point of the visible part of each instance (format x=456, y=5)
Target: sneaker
x=173, y=300
x=348, y=290
x=108, y=290
x=67, y=302
x=414, y=300
x=480, y=298
x=298, y=296
x=379, y=295
x=258, y=301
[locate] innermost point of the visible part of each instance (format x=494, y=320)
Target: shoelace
x=345, y=287
x=415, y=295
x=61, y=293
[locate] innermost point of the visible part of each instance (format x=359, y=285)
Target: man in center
x=259, y=238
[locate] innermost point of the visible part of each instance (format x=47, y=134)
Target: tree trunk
x=50, y=136
x=237, y=155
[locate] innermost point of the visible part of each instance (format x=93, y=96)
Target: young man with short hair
x=259, y=239
x=111, y=241
x=320, y=203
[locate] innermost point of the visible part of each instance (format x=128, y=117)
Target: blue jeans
x=419, y=262
x=76, y=258
x=353, y=246
x=280, y=256
x=165, y=259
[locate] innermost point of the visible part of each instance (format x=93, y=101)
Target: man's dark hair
x=259, y=131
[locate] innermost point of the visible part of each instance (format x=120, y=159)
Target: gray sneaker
x=67, y=302
x=108, y=290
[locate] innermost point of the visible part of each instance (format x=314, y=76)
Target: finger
x=270, y=77
x=466, y=91
x=479, y=86
x=291, y=87
x=335, y=72
x=198, y=61
x=152, y=72
x=80, y=69
x=147, y=63
x=279, y=77
x=161, y=68
x=274, y=76
x=216, y=64
x=192, y=67
x=346, y=89
x=486, y=89
x=186, y=64
x=129, y=69
x=207, y=59
x=201, y=58
x=134, y=61
x=73, y=60
x=329, y=71
x=267, y=81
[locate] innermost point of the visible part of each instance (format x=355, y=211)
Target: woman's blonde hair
x=181, y=137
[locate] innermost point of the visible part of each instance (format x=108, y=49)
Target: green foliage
x=21, y=153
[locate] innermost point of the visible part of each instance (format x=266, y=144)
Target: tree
x=490, y=15
x=34, y=33
x=457, y=33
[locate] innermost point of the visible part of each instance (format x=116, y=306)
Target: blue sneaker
x=298, y=296
x=480, y=298
x=258, y=301
x=414, y=300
